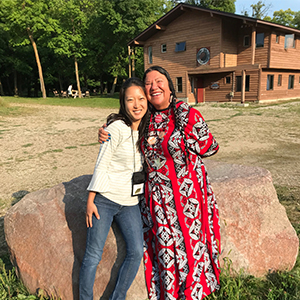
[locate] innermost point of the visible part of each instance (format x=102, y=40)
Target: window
x=228, y=80
x=150, y=61
x=163, y=48
x=239, y=83
x=192, y=84
x=247, y=83
x=277, y=38
x=179, y=84
x=291, y=81
x=260, y=37
x=246, y=41
x=289, y=41
x=270, y=82
x=279, y=82
x=180, y=47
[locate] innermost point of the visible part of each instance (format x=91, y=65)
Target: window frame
x=244, y=41
x=270, y=83
x=162, y=46
x=179, y=85
x=150, y=55
x=238, y=83
x=279, y=80
x=261, y=45
x=180, y=47
x=286, y=43
x=291, y=83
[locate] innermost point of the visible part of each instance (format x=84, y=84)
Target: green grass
x=101, y=102
x=275, y=286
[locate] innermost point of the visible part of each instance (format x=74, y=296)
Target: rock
x=46, y=232
x=256, y=234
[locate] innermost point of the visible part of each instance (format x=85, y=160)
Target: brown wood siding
x=218, y=95
x=252, y=94
x=284, y=58
x=229, y=43
x=244, y=53
x=197, y=30
x=261, y=54
x=280, y=92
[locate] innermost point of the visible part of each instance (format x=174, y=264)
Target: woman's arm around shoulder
x=199, y=138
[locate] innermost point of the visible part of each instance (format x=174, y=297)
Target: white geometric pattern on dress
x=197, y=291
x=199, y=250
x=195, y=229
x=191, y=208
x=166, y=257
x=186, y=187
x=164, y=236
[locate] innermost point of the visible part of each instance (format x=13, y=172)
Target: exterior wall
x=279, y=92
x=221, y=94
x=229, y=43
x=197, y=30
x=252, y=94
x=284, y=58
x=245, y=53
x=224, y=37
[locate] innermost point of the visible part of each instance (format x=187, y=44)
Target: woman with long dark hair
x=179, y=211
x=113, y=193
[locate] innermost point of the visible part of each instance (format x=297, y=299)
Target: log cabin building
x=218, y=56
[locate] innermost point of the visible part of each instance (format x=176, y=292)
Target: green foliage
x=275, y=286
x=10, y=286
x=222, y=5
x=284, y=17
x=260, y=9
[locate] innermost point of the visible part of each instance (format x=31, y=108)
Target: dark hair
x=178, y=122
x=165, y=73
x=123, y=114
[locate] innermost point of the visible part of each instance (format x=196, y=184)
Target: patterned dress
x=180, y=213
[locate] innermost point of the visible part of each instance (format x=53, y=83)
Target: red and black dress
x=180, y=213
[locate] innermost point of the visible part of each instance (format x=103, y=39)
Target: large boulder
x=46, y=233
x=256, y=234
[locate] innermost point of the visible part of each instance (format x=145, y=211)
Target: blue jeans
x=128, y=219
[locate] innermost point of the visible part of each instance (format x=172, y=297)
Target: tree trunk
x=1, y=89
x=77, y=78
x=60, y=83
x=38, y=62
x=112, y=91
x=15, y=84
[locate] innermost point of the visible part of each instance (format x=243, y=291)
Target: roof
x=181, y=8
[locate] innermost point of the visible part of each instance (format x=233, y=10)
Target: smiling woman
x=136, y=105
x=113, y=197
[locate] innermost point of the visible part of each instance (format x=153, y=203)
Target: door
x=200, y=90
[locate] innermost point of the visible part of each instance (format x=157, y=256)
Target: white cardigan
x=115, y=165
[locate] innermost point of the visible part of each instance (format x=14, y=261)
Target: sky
x=294, y=5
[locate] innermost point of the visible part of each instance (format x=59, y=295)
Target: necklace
x=159, y=126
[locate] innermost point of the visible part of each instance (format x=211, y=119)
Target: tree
x=29, y=21
x=110, y=29
x=284, y=17
x=260, y=9
x=222, y=5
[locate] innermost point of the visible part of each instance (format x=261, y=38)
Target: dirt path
x=54, y=144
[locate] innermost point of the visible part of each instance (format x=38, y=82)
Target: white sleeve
x=100, y=180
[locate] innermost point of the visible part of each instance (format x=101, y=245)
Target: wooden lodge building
x=218, y=56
